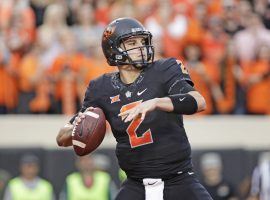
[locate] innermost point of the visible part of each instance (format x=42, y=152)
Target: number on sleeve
x=182, y=66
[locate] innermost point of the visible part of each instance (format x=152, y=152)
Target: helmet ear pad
x=120, y=30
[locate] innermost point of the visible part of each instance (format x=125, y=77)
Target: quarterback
x=144, y=103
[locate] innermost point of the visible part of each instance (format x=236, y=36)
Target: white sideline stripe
x=78, y=143
x=92, y=114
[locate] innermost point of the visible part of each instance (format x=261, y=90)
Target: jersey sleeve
x=90, y=99
x=176, y=78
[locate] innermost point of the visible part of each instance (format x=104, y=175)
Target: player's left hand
x=139, y=111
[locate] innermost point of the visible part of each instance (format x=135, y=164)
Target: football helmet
x=120, y=30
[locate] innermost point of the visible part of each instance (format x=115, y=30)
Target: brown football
x=89, y=133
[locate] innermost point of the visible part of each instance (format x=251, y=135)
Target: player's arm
x=188, y=103
x=182, y=97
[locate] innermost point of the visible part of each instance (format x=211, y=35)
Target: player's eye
x=143, y=42
x=131, y=43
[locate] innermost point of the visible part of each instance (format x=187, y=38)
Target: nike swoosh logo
x=190, y=173
x=140, y=93
x=152, y=183
x=182, y=99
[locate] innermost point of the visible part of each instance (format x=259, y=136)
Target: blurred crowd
x=50, y=49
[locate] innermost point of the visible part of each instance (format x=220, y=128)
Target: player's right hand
x=64, y=137
x=139, y=111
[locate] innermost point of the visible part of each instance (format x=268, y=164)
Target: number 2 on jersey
x=134, y=139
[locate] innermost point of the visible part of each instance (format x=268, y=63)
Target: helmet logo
x=108, y=32
x=118, y=57
x=136, y=29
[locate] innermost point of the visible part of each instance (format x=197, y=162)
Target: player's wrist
x=184, y=104
x=68, y=125
x=157, y=103
x=164, y=104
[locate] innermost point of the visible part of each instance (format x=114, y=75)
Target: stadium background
x=49, y=50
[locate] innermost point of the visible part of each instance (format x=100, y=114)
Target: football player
x=144, y=103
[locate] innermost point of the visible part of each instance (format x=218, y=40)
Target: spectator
x=260, y=6
x=204, y=74
x=4, y=76
x=214, y=41
x=211, y=166
x=102, y=10
x=4, y=178
x=266, y=17
x=231, y=23
x=168, y=28
x=87, y=32
x=64, y=72
x=121, y=9
x=248, y=40
x=260, y=185
x=143, y=9
x=48, y=33
x=208, y=23
x=29, y=184
x=244, y=10
x=33, y=84
x=89, y=183
x=14, y=14
x=197, y=23
x=257, y=82
x=224, y=91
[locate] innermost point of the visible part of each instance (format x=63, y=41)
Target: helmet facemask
x=145, y=51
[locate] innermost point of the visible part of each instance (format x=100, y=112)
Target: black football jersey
x=157, y=146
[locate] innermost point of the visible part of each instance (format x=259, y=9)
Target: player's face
x=135, y=48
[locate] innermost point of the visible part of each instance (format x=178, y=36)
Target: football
x=89, y=133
